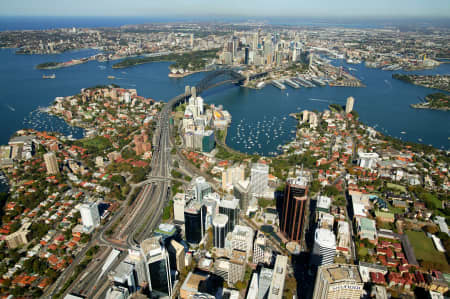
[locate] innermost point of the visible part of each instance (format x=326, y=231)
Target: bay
x=384, y=103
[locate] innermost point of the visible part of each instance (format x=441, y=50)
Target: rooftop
x=338, y=272
x=220, y=220
x=325, y=237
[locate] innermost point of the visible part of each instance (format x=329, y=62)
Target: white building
x=259, y=179
x=242, y=239
x=231, y=176
x=278, y=278
x=90, y=215
x=338, y=281
x=324, y=249
x=367, y=160
x=179, y=203
x=349, y=105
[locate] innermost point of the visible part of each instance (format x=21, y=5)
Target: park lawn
x=424, y=248
x=398, y=187
x=98, y=143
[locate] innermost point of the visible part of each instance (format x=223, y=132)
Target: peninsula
x=435, y=101
x=441, y=82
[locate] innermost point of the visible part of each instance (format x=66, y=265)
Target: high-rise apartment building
x=51, y=163
x=349, y=105
x=90, y=215
x=259, y=179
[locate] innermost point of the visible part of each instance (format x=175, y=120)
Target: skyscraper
x=278, y=278
x=293, y=213
x=242, y=239
x=90, y=215
x=194, y=222
x=259, y=179
x=202, y=188
x=51, y=163
x=191, y=41
x=338, y=281
x=246, y=51
x=176, y=255
x=230, y=207
x=324, y=249
x=158, y=266
x=220, y=222
x=349, y=105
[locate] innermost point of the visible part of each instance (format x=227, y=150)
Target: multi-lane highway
x=139, y=222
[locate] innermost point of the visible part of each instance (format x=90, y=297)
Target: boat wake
x=10, y=108
x=318, y=100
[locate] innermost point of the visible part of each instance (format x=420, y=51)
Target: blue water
x=52, y=22
x=43, y=23
x=24, y=90
x=384, y=103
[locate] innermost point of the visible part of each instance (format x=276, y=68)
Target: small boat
x=403, y=132
x=53, y=76
x=111, y=77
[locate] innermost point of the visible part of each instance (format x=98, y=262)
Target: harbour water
x=260, y=117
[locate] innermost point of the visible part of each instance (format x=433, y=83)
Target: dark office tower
x=220, y=222
x=158, y=266
x=194, y=222
x=293, y=213
x=246, y=56
x=230, y=207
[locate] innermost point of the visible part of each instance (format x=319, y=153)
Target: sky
x=254, y=8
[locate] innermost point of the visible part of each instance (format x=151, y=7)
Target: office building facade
x=194, y=222
x=157, y=266
x=220, y=223
x=293, y=214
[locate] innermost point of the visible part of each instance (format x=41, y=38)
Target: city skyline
x=198, y=8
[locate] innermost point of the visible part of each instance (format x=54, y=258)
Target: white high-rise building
x=259, y=179
x=338, y=281
x=179, y=203
x=51, y=163
x=242, y=239
x=278, y=277
x=349, y=105
x=324, y=249
x=90, y=215
x=232, y=175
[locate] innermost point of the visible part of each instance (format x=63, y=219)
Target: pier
x=278, y=84
x=291, y=83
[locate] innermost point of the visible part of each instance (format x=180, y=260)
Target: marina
x=278, y=84
x=291, y=83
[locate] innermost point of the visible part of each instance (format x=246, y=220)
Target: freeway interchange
x=134, y=224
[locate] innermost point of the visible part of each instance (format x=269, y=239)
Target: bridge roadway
x=145, y=215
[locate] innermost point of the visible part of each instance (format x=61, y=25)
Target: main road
x=139, y=223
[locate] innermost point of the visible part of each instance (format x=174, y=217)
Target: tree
x=432, y=229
